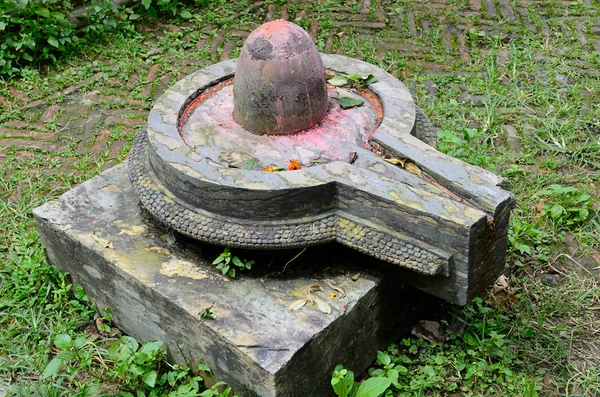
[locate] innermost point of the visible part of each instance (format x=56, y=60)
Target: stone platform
x=158, y=284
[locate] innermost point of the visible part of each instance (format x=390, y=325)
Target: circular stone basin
x=202, y=174
x=210, y=131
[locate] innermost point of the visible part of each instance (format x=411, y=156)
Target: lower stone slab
x=157, y=285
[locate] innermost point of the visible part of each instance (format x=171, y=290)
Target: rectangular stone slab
x=157, y=288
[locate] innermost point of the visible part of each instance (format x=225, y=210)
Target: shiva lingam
x=260, y=153
x=203, y=166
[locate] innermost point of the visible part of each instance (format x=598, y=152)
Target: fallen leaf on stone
x=413, y=169
x=159, y=250
x=247, y=165
x=324, y=307
x=338, y=289
x=296, y=305
x=356, y=277
x=332, y=295
x=103, y=242
x=352, y=157
x=337, y=80
x=396, y=161
x=294, y=165
x=428, y=330
x=348, y=100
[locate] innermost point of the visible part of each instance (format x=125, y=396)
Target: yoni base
x=158, y=284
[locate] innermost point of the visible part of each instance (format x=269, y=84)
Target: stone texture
x=158, y=288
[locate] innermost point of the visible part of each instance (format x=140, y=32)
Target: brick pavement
x=98, y=115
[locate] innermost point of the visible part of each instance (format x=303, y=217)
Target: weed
x=225, y=260
x=567, y=205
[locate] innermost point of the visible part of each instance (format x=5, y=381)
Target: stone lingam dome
x=280, y=85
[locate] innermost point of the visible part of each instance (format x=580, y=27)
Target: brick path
x=99, y=113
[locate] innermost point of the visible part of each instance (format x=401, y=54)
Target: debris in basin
x=294, y=165
x=348, y=100
x=353, y=80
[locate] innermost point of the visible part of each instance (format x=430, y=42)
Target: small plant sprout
x=225, y=260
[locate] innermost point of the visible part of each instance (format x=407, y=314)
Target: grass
x=540, y=338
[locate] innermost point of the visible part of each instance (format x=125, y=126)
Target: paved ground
x=96, y=115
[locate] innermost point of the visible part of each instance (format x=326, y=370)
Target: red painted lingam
x=280, y=86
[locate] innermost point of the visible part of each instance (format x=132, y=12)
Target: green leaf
x=151, y=348
x=133, y=17
x=342, y=381
x=43, y=12
x=185, y=14
x=149, y=378
x=137, y=370
x=52, y=367
x=52, y=41
x=373, y=387
x=337, y=80
x=146, y=3
x=236, y=261
x=63, y=341
x=354, y=77
x=370, y=79
x=348, y=100
x=556, y=211
x=523, y=249
x=383, y=358
x=2, y=25
x=79, y=341
x=111, y=22
x=203, y=367
x=247, y=165
x=27, y=57
x=219, y=259
x=392, y=374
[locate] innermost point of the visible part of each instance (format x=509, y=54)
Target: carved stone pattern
x=271, y=235
x=424, y=129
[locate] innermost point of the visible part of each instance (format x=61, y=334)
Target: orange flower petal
x=294, y=165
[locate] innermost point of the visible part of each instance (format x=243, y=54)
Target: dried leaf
x=159, y=250
x=348, y=100
x=323, y=306
x=428, y=330
x=294, y=165
x=413, y=169
x=338, y=289
x=315, y=287
x=355, y=277
x=296, y=305
x=501, y=284
x=332, y=295
x=352, y=157
x=396, y=161
x=103, y=242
